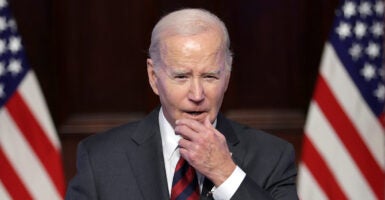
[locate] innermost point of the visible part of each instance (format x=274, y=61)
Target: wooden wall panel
x=90, y=58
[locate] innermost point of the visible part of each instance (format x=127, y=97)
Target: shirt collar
x=169, y=138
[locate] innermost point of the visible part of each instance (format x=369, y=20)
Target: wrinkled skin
x=191, y=82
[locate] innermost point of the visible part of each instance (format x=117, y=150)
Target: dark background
x=90, y=58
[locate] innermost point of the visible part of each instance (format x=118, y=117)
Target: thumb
x=207, y=122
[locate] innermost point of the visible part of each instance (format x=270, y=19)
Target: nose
x=196, y=93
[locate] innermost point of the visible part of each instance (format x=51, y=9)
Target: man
x=189, y=69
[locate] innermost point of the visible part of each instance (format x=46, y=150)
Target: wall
x=90, y=57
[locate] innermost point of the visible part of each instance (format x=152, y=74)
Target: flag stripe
x=3, y=192
x=353, y=104
x=314, y=161
x=307, y=177
x=324, y=139
x=28, y=137
x=32, y=131
x=345, y=121
x=24, y=161
x=31, y=93
x=350, y=137
x=11, y=181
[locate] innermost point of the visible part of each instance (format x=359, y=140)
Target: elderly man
x=185, y=149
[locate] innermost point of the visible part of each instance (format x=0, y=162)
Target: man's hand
x=205, y=148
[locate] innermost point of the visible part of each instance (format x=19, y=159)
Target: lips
x=197, y=115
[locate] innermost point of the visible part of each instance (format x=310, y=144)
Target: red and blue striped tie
x=185, y=182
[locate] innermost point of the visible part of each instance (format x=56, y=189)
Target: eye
x=180, y=77
x=210, y=77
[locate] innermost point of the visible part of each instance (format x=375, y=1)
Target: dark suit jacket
x=127, y=163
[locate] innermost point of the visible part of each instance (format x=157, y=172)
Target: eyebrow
x=178, y=71
x=185, y=72
x=216, y=72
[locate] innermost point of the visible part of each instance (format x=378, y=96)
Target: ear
x=227, y=79
x=152, y=78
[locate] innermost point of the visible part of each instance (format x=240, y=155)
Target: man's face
x=192, y=79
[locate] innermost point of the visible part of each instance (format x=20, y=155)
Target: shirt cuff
x=228, y=188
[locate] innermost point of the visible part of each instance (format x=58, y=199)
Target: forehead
x=203, y=49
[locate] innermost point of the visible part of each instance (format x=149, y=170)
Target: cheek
x=215, y=92
x=171, y=94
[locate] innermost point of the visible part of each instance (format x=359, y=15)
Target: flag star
x=14, y=67
x=380, y=92
x=349, y=9
x=368, y=71
x=355, y=51
x=2, y=47
x=14, y=44
x=343, y=30
x=2, y=69
x=379, y=7
x=381, y=72
x=2, y=93
x=377, y=29
x=12, y=24
x=364, y=9
x=373, y=50
x=360, y=30
x=3, y=3
x=3, y=24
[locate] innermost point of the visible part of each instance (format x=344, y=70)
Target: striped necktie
x=185, y=182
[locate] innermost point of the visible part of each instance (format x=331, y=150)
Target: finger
x=186, y=148
x=207, y=122
x=184, y=144
x=193, y=124
x=185, y=154
x=188, y=151
x=185, y=132
x=210, y=126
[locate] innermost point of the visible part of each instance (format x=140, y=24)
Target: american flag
x=30, y=160
x=344, y=143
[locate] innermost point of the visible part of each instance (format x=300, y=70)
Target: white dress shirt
x=171, y=156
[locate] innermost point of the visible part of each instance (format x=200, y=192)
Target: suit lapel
x=147, y=159
x=207, y=186
x=224, y=126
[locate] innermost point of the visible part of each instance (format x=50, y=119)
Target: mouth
x=194, y=113
x=197, y=115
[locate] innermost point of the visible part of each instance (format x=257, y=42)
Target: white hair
x=188, y=22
